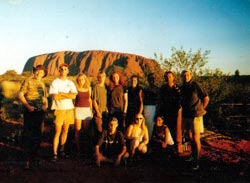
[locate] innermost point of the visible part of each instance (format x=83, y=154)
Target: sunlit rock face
x=91, y=62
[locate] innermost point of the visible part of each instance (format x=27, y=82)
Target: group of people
x=129, y=120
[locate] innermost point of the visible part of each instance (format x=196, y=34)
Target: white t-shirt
x=66, y=86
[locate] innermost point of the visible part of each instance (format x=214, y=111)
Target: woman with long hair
x=83, y=109
x=137, y=136
x=118, y=98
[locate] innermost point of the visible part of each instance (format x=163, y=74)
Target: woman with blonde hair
x=137, y=136
x=83, y=108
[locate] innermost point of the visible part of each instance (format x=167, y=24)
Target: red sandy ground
x=224, y=160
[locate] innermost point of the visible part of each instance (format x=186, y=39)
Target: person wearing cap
x=33, y=96
x=63, y=92
x=170, y=107
x=111, y=146
x=194, y=101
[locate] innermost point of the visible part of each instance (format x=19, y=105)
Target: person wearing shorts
x=83, y=112
x=63, y=91
x=194, y=101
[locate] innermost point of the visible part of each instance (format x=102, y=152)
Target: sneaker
x=63, y=155
x=54, y=159
x=189, y=158
x=27, y=165
x=195, y=166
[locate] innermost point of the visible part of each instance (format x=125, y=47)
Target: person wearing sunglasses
x=137, y=136
x=63, y=91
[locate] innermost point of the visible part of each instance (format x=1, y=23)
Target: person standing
x=83, y=112
x=33, y=96
x=150, y=102
x=118, y=99
x=135, y=100
x=63, y=91
x=194, y=101
x=170, y=107
x=99, y=101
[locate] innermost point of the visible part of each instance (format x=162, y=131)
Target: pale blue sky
x=143, y=27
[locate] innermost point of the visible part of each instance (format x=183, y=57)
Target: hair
x=86, y=84
x=121, y=80
x=170, y=72
x=159, y=116
x=143, y=124
x=101, y=72
x=134, y=76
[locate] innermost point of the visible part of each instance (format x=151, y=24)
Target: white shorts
x=83, y=113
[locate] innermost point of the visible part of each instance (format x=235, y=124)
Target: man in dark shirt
x=170, y=107
x=111, y=146
x=194, y=101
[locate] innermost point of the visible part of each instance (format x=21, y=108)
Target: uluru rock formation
x=91, y=62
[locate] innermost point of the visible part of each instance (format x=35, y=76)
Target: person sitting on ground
x=111, y=146
x=161, y=141
x=137, y=136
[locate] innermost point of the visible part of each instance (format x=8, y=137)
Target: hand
x=164, y=145
x=124, y=115
x=118, y=161
x=31, y=108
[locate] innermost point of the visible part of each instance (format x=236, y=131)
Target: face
x=186, y=77
x=138, y=119
x=112, y=126
x=101, y=77
x=63, y=71
x=39, y=74
x=81, y=80
x=115, y=78
x=159, y=121
x=169, y=78
x=151, y=79
x=134, y=82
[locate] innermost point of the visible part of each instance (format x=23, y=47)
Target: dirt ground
x=224, y=160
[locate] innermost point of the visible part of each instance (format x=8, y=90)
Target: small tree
x=181, y=59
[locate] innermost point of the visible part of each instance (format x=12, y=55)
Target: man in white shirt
x=63, y=91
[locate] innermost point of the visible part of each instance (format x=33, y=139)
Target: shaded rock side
x=91, y=62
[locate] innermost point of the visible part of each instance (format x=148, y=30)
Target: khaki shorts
x=64, y=117
x=194, y=124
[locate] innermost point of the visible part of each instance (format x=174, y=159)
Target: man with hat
x=33, y=95
x=194, y=100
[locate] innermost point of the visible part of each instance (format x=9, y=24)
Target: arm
x=62, y=95
x=145, y=137
x=179, y=127
x=165, y=143
x=125, y=98
x=141, y=101
x=128, y=134
x=119, y=157
x=205, y=101
x=90, y=101
x=24, y=102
